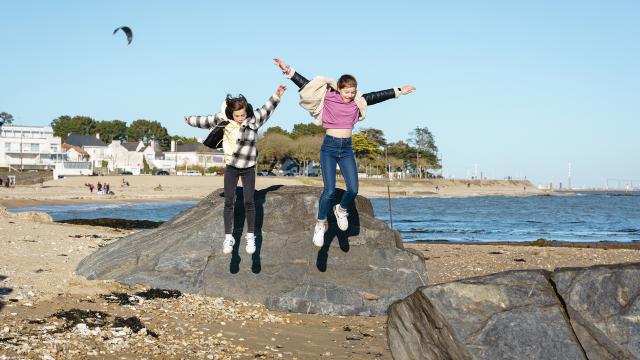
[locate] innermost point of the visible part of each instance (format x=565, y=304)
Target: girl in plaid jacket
x=241, y=124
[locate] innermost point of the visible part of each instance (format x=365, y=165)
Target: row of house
x=35, y=147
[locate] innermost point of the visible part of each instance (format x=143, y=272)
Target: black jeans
x=231, y=175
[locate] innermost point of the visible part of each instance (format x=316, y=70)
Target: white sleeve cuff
x=289, y=74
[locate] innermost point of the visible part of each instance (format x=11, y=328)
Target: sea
x=583, y=217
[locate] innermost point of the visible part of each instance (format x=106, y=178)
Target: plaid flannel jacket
x=245, y=153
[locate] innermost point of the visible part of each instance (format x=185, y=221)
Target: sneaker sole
x=335, y=213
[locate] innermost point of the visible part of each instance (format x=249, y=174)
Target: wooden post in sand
x=390, y=212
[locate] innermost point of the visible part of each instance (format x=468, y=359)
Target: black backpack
x=214, y=140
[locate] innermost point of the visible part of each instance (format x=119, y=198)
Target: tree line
x=417, y=154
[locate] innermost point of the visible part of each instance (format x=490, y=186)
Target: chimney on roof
x=98, y=136
x=173, y=146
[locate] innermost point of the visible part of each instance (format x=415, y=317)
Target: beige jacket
x=312, y=97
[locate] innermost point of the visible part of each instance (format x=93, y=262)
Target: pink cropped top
x=337, y=114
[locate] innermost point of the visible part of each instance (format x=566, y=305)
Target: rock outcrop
x=357, y=272
x=603, y=303
x=587, y=313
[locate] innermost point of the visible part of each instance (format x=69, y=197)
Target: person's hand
x=407, y=89
x=281, y=90
x=281, y=64
x=186, y=119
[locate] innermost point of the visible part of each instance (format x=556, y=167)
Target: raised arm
x=204, y=121
x=291, y=74
x=380, y=96
x=261, y=115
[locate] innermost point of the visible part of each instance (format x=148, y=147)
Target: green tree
x=110, y=130
x=423, y=139
x=306, y=148
x=145, y=165
x=273, y=147
x=302, y=129
x=6, y=118
x=400, y=150
x=375, y=135
x=277, y=130
x=146, y=130
x=425, y=144
x=183, y=139
x=364, y=146
x=65, y=124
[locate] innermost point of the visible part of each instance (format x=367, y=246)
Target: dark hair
x=347, y=80
x=235, y=104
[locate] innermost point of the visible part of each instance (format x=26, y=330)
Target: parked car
x=193, y=173
x=126, y=173
x=162, y=172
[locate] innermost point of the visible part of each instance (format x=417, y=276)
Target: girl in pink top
x=337, y=106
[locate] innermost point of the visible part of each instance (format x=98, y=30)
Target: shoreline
x=20, y=203
x=71, y=190
x=540, y=243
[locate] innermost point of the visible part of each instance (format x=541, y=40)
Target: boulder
x=27, y=215
x=603, y=303
x=510, y=315
x=357, y=272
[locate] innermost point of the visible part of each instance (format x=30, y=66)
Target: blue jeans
x=337, y=151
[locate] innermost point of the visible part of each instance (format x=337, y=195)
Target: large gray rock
x=511, y=315
x=603, y=303
x=358, y=272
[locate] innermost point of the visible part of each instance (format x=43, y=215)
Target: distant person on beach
x=337, y=106
x=99, y=186
x=240, y=133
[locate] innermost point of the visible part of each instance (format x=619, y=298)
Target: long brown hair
x=237, y=103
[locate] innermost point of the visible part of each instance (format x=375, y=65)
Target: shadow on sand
x=334, y=232
x=3, y=291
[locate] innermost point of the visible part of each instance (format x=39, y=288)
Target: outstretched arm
x=380, y=96
x=206, y=121
x=290, y=73
x=261, y=115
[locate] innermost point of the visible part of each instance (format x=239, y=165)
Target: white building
x=29, y=147
x=73, y=153
x=184, y=156
x=92, y=145
x=127, y=156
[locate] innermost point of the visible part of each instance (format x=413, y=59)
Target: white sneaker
x=251, y=243
x=318, y=234
x=341, y=217
x=227, y=245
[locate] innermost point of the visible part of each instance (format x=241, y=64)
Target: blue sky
x=518, y=88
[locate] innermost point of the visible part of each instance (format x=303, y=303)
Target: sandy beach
x=40, y=295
